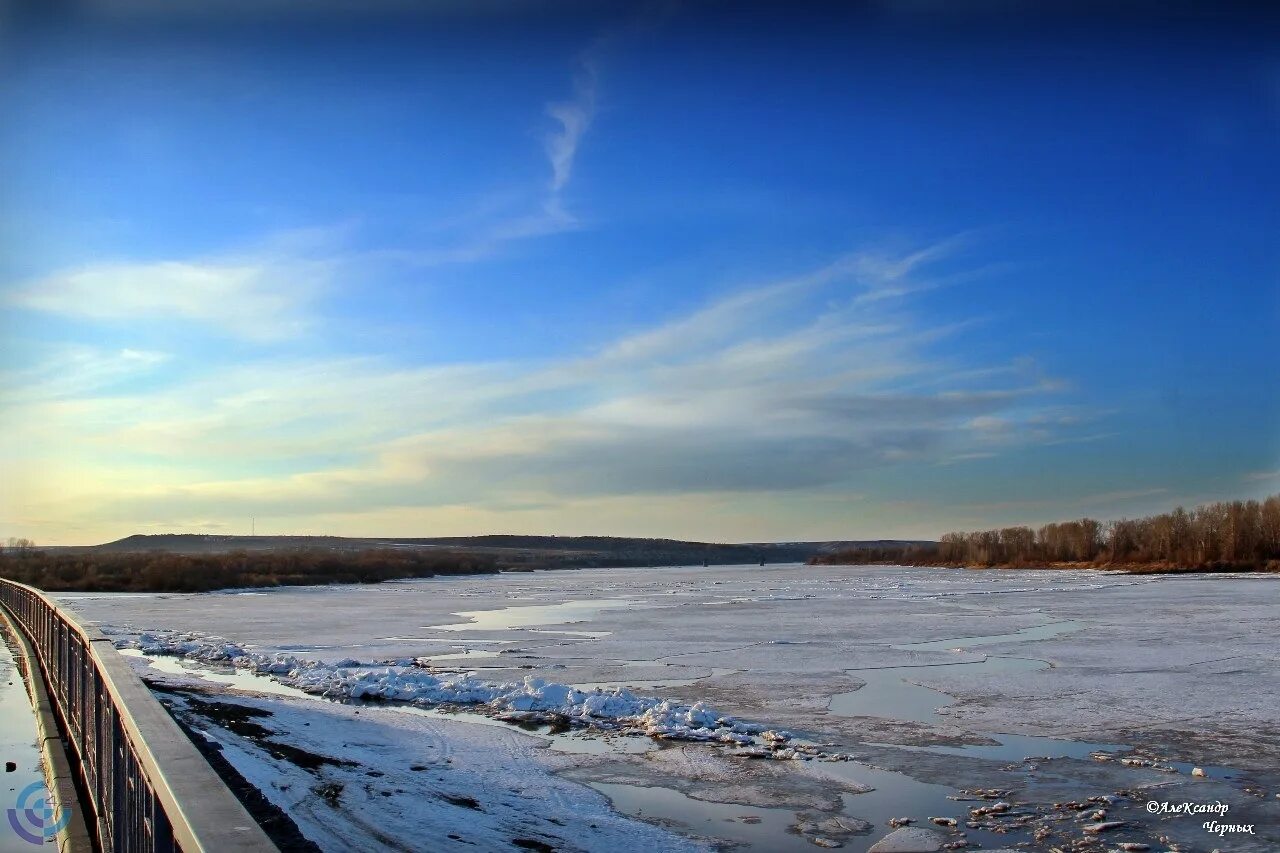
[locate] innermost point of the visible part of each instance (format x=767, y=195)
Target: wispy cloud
x=863, y=273
x=548, y=214
x=785, y=386
x=262, y=298
x=546, y=219
x=75, y=371
x=1121, y=496
x=544, y=215
x=574, y=116
x=1261, y=476
x=1066, y=504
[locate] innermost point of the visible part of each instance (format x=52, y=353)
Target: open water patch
x=534, y=615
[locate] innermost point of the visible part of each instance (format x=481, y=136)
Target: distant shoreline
x=1132, y=568
x=200, y=563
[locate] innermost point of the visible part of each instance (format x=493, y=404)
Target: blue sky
x=706, y=271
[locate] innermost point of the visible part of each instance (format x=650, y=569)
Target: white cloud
x=989, y=424
x=548, y=219
x=786, y=386
x=261, y=299
x=1121, y=496
x=74, y=371
x=574, y=117
x=143, y=357
x=543, y=216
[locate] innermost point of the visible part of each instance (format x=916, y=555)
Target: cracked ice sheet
x=1158, y=657
x=487, y=786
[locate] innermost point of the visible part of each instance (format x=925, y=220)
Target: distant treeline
x=908, y=554
x=1229, y=535
x=165, y=572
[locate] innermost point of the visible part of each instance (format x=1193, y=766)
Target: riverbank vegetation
x=93, y=571
x=1223, y=536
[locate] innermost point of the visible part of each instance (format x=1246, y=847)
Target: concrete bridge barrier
x=143, y=787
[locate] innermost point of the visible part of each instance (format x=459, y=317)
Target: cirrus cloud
x=789, y=386
x=257, y=298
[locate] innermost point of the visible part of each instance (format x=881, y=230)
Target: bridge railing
x=150, y=789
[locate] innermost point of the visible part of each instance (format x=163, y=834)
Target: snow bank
x=482, y=788
x=407, y=680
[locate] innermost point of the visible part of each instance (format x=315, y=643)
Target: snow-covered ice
x=1183, y=669
x=405, y=680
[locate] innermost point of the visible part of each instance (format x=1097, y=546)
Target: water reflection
x=887, y=692
x=18, y=742
x=534, y=615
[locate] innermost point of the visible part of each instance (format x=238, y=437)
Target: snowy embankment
x=409, y=680
x=389, y=781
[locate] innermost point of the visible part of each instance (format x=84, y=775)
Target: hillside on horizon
x=561, y=550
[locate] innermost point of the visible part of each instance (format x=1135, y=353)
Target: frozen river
x=917, y=684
